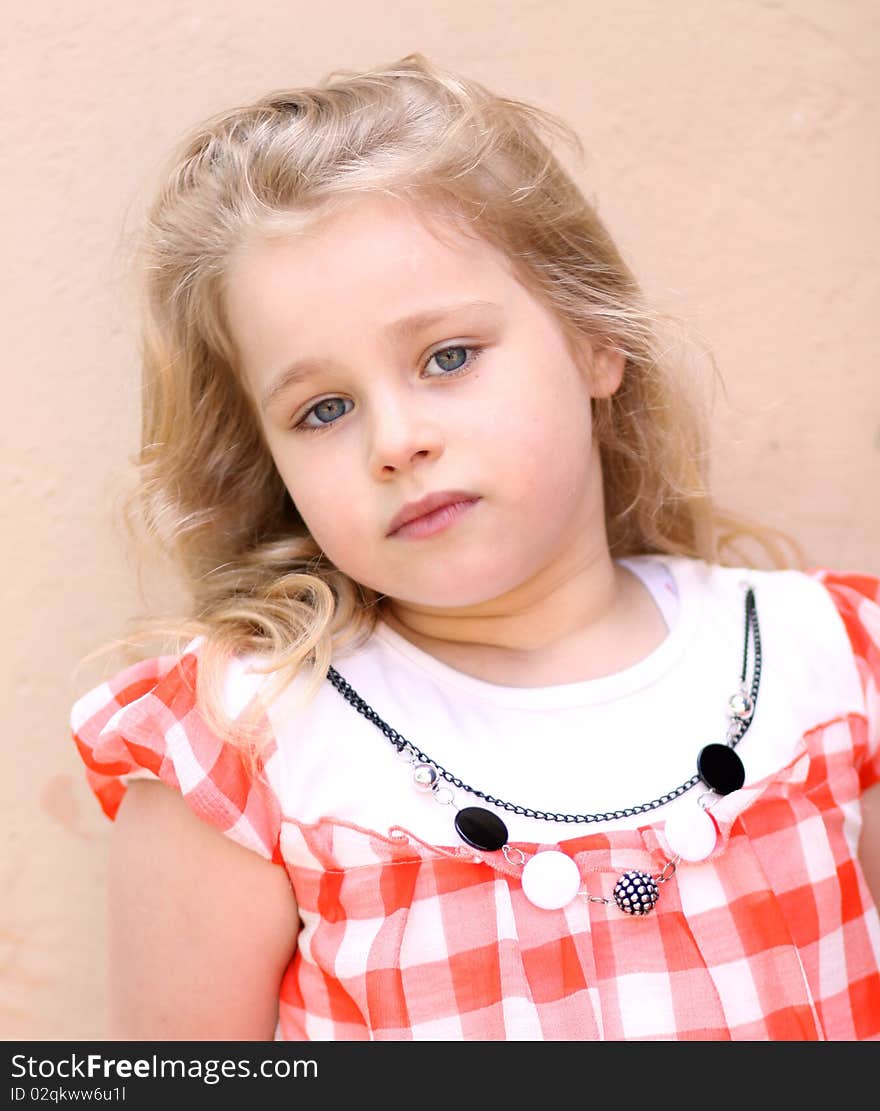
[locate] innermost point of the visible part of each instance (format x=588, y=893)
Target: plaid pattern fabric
x=774, y=936
x=143, y=723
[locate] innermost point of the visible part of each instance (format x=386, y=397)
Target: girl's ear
x=605, y=366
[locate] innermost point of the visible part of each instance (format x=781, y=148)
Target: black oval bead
x=720, y=768
x=481, y=828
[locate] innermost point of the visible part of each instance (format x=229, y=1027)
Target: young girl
x=479, y=727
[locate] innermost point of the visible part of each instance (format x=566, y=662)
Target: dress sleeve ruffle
x=857, y=600
x=143, y=723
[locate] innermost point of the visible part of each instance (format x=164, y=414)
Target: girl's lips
x=429, y=524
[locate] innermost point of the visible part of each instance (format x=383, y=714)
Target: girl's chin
x=446, y=602
x=455, y=585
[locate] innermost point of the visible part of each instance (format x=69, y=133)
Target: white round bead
x=691, y=833
x=550, y=880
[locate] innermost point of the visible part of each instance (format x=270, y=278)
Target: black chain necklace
x=718, y=767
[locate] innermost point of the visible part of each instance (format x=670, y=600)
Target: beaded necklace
x=550, y=879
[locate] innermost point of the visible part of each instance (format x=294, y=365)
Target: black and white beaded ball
x=636, y=893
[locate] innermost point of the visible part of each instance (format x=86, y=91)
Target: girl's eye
x=326, y=412
x=451, y=361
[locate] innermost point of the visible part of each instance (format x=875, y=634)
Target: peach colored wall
x=733, y=151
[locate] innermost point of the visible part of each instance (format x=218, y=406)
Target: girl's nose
x=402, y=437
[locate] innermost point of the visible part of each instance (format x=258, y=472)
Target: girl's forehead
x=375, y=232
x=371, y=250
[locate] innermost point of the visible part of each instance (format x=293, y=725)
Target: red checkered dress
x=774, y=936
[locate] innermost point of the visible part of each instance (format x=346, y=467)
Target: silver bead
x=425, y=777
x=740, y=705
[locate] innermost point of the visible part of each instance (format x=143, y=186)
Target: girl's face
x=387, y=365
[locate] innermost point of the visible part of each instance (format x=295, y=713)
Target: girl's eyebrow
x=402, y=329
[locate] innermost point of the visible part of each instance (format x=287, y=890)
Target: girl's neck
x=595, y=623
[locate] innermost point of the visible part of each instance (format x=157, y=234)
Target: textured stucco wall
x=733, y=151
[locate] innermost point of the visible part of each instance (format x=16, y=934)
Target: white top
x=597, y=745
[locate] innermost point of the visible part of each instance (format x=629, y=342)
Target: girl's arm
x=869, y=843
x=200, y=929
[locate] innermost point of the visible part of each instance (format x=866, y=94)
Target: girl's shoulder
x=826, y=620
x=817, y=593
x=830, y=619
x=143, y=723
x=852, y=593
x=846, y=601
